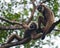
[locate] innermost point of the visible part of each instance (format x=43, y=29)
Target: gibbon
x=30, y=33
x=47, y=20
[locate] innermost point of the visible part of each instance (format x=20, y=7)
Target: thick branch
x=10, y=27
x=13, y=43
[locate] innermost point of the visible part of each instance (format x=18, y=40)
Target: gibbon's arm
x=32, y=12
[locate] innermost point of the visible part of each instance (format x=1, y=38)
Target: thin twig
x=11, y=22
x=56, y=29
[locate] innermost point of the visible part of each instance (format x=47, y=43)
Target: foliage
x=20, y=11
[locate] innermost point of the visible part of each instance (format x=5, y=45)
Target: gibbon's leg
x=27, y=36
x=35, y=36
x=51, y=28
x=11, y=38
x=41, y=20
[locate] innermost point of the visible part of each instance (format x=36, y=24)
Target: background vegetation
x=20, y=10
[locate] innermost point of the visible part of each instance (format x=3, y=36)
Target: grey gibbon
x=30, y=33
x=47, y=20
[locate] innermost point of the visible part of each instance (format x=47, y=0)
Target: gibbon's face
x=40, y=8
x=33, y=26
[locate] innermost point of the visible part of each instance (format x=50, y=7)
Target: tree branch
x=6, y=45
x=11, y=22
x=10, y=27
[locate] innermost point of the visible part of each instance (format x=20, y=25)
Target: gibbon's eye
x=33, y=26
x=39, y=8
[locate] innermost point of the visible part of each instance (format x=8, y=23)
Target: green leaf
x=25, y=12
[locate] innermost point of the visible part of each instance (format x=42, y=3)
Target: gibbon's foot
x=43, y=36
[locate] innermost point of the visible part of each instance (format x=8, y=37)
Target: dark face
x=33, y=26
x=40, y=8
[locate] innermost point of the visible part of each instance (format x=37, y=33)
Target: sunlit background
x=53, y=39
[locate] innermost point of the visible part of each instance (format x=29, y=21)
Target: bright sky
x=55, y=40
